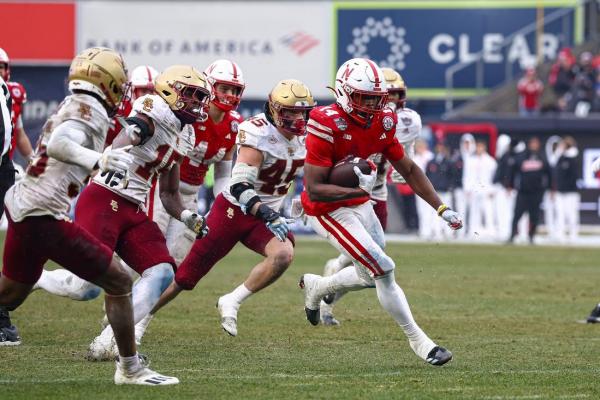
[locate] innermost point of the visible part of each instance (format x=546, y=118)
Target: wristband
x=441, y=209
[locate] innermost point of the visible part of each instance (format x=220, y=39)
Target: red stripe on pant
x=356, y=243
x=151, y=200
x=345, y=245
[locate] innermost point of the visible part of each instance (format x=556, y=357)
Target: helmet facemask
x=226, y=101
x=191, y=102
x=288, y=119
x=365, y=105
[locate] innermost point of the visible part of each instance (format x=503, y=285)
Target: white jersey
x=408, y=131
x=169, y=144
x=283, y=159
x=50, y=185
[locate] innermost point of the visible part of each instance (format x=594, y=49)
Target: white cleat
x=312, y=300
x=228, y=312
x=144, y=376
x=103, y=348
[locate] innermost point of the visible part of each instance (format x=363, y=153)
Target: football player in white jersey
x=271, y=153
x=39, y=229
x=160, y=135
x=408, y=130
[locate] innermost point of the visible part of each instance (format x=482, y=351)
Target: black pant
x=7, y=179
x=530, y=202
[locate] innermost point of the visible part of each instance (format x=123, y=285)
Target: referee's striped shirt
x=5, y=117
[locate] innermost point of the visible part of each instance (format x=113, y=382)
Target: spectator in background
x=566, y=173
x=531, y=177
x=440, y=172
x=596, y=103
x=466, y=148
x=426, y=214
x=478, y=174
x=562, y=75
x=530, y=89
x=582, y=93
x=504, y=197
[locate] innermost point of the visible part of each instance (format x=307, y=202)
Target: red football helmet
x=227, y=73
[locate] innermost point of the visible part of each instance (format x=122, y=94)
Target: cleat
x=103, y=348
x=144, y=376
x=308, y=283
x=329, y=320
x=438, y=356
x=9, y=336
x=594, y=316
x=228, y=313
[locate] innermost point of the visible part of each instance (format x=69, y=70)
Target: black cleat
x=313, y=316
x=594, y=317
x=438, y=356
x=9, y=336
x=311, y=303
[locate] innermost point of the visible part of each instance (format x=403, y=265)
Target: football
x=342, y=173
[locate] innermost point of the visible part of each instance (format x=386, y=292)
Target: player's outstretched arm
x=223, y=172
x=136, y=130
x=315, y=183
x=171, y=200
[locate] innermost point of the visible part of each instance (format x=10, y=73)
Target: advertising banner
x=422, y=39
x=269, y=40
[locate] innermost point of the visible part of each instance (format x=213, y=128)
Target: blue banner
x=421, y=43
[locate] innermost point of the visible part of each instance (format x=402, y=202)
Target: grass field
x=507, y=313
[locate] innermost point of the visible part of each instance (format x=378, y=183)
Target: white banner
x=269, y=40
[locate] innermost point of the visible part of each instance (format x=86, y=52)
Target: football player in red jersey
x=141, y=82
x=270, y=155
x=19, y=98
x=360, y=125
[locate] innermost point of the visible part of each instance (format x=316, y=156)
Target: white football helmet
x=5, y=60
x=360, y=89
x=142, y=80
x=228, y=73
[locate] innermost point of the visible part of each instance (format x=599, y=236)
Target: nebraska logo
x=300, y=42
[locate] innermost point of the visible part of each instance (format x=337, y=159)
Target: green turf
x=507, y=313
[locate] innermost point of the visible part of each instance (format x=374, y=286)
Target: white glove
x=366, y=182
x=596, y=165
x=117, y=160
x=397, y=178
x=451, y=217
x=194, y=222
x=217, y=157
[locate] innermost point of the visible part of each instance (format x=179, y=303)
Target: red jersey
x=115, y=126
x=19, y=97
x=211, y=144
x=332, y=136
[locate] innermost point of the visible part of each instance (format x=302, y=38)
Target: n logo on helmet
x=347, y=73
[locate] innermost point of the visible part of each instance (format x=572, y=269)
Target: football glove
x=450, y=216
x=366, y=182
x=274, y=221
x=117, y=160
x=195, y=222
x=397, y=178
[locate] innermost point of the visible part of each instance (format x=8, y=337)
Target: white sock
x=131, y=364
x=64, y=283
x=346, y=280
x=240, y=294
x=140, y=328
x=392, y=299
x=344, y=261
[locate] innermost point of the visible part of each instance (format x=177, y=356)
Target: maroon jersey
x=332, y=136
x=115, y=125
x=19, y=97
x=211, y=143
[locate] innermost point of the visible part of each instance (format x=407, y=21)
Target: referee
x=7, y=170
x=9, y=336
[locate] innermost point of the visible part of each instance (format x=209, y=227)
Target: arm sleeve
x=222, y=176
x=67, y=145
x=319, y=151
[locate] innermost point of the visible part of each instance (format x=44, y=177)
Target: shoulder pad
x=253, y=131
x=86, y=109
x=324, y=122
x=151, y=105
